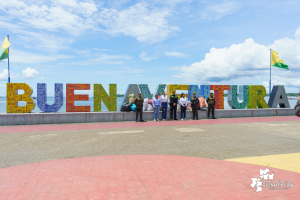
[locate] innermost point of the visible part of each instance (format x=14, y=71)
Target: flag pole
x=8, y=62
x=270, y=75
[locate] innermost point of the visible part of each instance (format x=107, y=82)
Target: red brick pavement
x=38, y=128
x=139, y=177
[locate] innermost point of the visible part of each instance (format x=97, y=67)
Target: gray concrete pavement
x=218, y=141
x=7, y=119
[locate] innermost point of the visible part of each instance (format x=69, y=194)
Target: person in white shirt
x=164, y=105
x=183, y=104
x=156, y=106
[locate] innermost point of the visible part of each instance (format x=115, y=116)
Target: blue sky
x=150, y=42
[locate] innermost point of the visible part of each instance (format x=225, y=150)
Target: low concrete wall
x=89, y=117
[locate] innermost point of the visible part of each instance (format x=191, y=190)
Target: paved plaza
x=204, y=159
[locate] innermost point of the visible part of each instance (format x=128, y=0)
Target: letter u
x=42, y=98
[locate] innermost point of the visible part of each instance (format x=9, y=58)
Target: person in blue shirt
x=156, y=105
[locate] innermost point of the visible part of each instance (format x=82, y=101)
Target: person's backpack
x=125, y=107
x=133, y=107
x=297, y=109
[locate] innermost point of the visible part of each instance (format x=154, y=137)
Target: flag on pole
x=276, y=62
x=4, y=49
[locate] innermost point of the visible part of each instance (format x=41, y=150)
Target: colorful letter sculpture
x=160, y=89
x=131, y=89
x=71, y=97
x=278, y=96
x=101, y=95
x=256, y=97
x=12, y=98
x=170, y=88
x=219, y=94
x=145, y=91
x=232, y=96
x=241, y=92
x=205, y=89
x=194, y=88
x=42, y=98
x=250, y=96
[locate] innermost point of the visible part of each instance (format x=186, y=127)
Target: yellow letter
x=172, y=87
x=12, y=98
x=100, y=95
x=256, y=97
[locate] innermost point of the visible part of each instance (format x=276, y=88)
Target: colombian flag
x=4, y=49
x=276, y=62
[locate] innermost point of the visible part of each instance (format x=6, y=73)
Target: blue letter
x=42, y=98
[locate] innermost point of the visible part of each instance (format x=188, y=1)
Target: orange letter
x=79, y=97
x=219, y=94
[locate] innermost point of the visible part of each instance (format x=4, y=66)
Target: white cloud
x=96, y=49
x=17, y=56
x=71, y=16
x=4, y=75
x=226, y=63
x=175, y=54
x=144, y=56
x=246, y=60
x=29, y=73
x=110, y=59
x=146, y=23
x=44, y=41
x=42, y=78
x=219, y=10
x=36, y=39
x=122, y=72
x=104, y=59
x=117, y=3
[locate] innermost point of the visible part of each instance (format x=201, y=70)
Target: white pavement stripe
x=39, y=137
x=120, y=132
x=277, y=124
x=282, y=124
x=188, y=130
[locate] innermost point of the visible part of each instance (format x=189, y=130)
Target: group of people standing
x=173, y=101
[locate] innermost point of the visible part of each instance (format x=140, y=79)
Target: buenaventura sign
x=251, y=96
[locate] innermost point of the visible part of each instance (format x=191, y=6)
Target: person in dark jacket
x=195, y=103
x=139, y=107
x=297, y=107
x=211, y=101
x=173, y=105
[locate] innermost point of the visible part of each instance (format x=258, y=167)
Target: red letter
x=219, y=94
x=79, y=97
